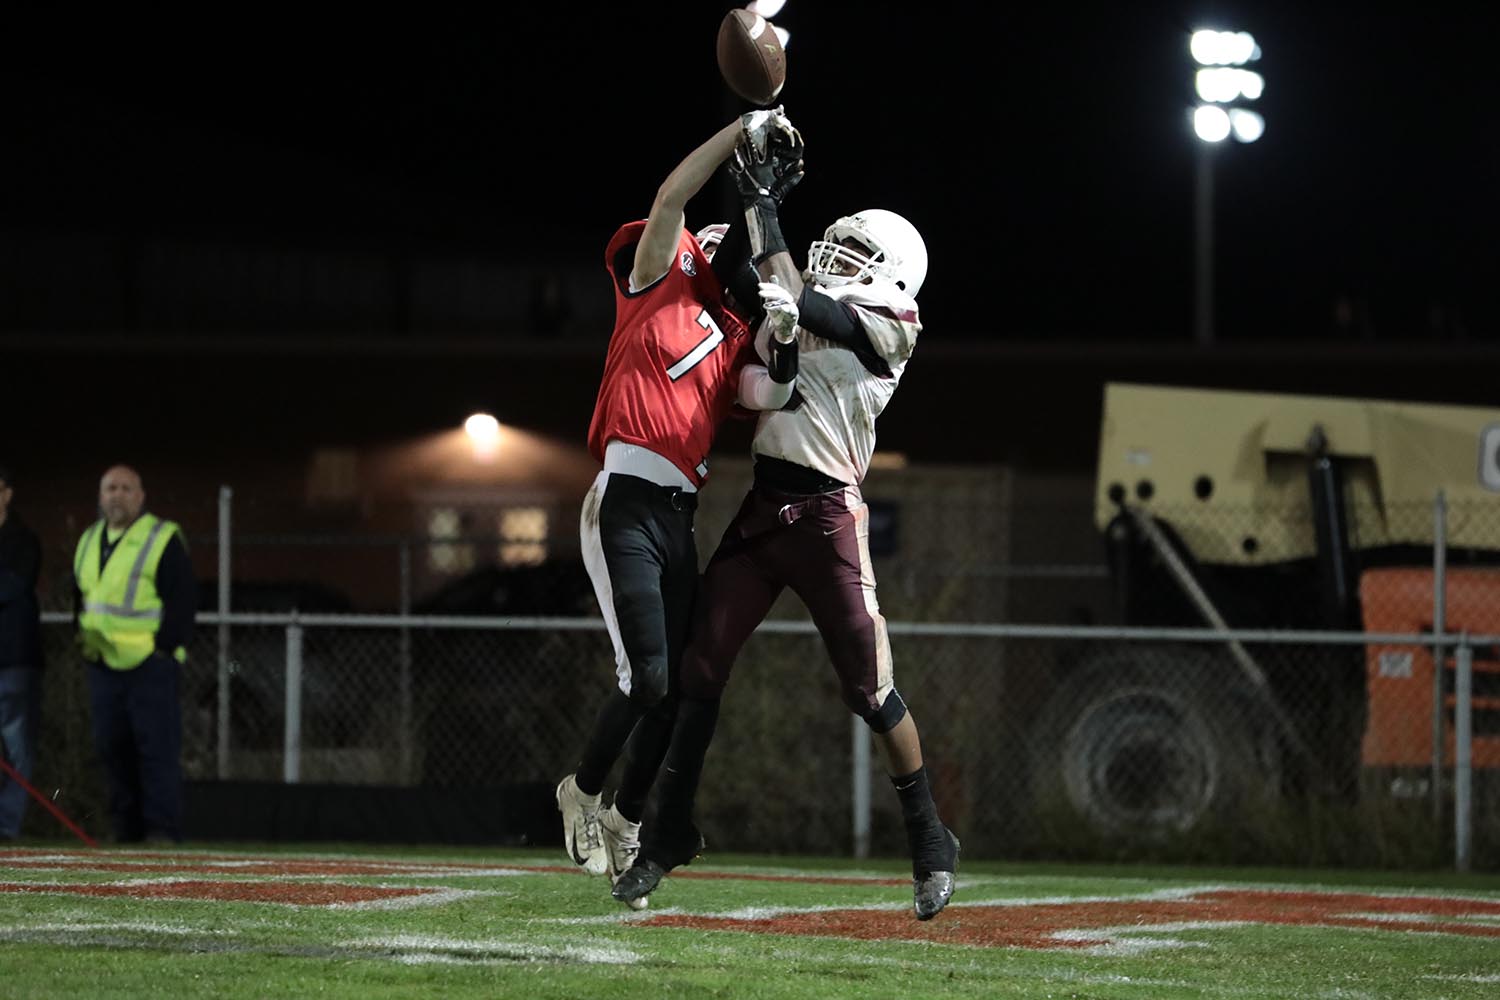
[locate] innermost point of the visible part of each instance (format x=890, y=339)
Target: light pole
x=1220, y=82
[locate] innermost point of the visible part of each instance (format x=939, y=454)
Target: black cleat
x=672, y=847
x=661, y=853
x=932, y=890
x=639, y=881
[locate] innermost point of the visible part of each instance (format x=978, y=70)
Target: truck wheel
x=1149, y=742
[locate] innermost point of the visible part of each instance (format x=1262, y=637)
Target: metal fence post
x=404, y=733
x=1463, y=776
x=291, y=750
x=861, y=779
x=226, y=501
x=1439, y=655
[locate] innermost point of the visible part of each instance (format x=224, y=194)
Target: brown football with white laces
x=751, y=58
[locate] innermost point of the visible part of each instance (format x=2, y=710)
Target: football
x=751, y=58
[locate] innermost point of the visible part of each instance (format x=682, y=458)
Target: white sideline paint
x=1130, y=940
x=431, y=897
x=1479, y=919
x=417, y=949
x=140, y=926
x=403, y=949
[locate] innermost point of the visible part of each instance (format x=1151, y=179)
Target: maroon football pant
x=819, y=547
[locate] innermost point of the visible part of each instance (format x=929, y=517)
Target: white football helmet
x=710, y=236
x=898, y=254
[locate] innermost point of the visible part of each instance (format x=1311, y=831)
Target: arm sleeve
x=839, y=322
x=20, y=574
x=831, y=319
x=758, y=391
x=732, y=265
x=179, y=597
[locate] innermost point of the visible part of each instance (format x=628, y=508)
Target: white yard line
x=425, y=948
x=139, y=926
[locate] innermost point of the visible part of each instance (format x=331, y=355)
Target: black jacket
x=20, y=616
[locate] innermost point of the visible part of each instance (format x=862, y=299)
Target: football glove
x=781, y=310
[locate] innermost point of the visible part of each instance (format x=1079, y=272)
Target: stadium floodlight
x=768, y=9
x=1223, y=48
x=1220, y=82
x=1246, y=125
x=1211, y=123
x=1223, y=84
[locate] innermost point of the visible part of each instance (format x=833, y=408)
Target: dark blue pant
x=20, y=716
x=138, y=736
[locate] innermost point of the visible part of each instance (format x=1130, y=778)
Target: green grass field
x=252, y=921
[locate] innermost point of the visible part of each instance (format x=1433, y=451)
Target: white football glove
x=781, y=310
x=757, y=126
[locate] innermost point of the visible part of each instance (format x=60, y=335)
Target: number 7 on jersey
x=701, y=350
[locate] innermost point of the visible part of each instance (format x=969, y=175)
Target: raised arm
x=657, y=249
x=767, y=164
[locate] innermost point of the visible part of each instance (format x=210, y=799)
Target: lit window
x=444, y=553
x=523, y=536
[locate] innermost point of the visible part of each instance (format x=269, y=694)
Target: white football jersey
x=830, y=423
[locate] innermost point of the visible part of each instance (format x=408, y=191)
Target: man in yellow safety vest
x=136, y=602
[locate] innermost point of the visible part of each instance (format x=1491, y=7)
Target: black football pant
x=638, y=546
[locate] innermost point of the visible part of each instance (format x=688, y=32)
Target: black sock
x=613, y=727
x=643, y=757
x=672, y=839
x=679, y=779
x=925, y=834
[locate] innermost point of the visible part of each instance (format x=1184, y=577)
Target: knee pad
x=887, y=716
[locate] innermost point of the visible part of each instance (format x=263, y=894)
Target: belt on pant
x=674, y=496
x=780, y=510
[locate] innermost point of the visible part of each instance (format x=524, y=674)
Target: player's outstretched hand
x=781, y=310
x=770, y=176
x=767, y=128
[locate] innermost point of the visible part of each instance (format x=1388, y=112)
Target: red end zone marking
x=1041, y=925
x=292, y=894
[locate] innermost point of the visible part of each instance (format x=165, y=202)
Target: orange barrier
x=1399, y=731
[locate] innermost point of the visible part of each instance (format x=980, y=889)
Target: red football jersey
x=672, y=371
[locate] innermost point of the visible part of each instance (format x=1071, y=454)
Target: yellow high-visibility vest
x=121, y=611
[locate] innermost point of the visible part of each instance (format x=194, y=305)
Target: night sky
x=1045, y=153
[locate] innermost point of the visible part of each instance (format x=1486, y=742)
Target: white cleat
x=622, y=842
x=581, y=834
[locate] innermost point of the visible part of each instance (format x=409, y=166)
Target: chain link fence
x=1096, y=729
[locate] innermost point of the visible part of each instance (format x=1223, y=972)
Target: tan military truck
x=1241, y=510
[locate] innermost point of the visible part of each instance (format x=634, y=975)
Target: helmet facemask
x=709, y=238
x=890, y=249
x=828, y=261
